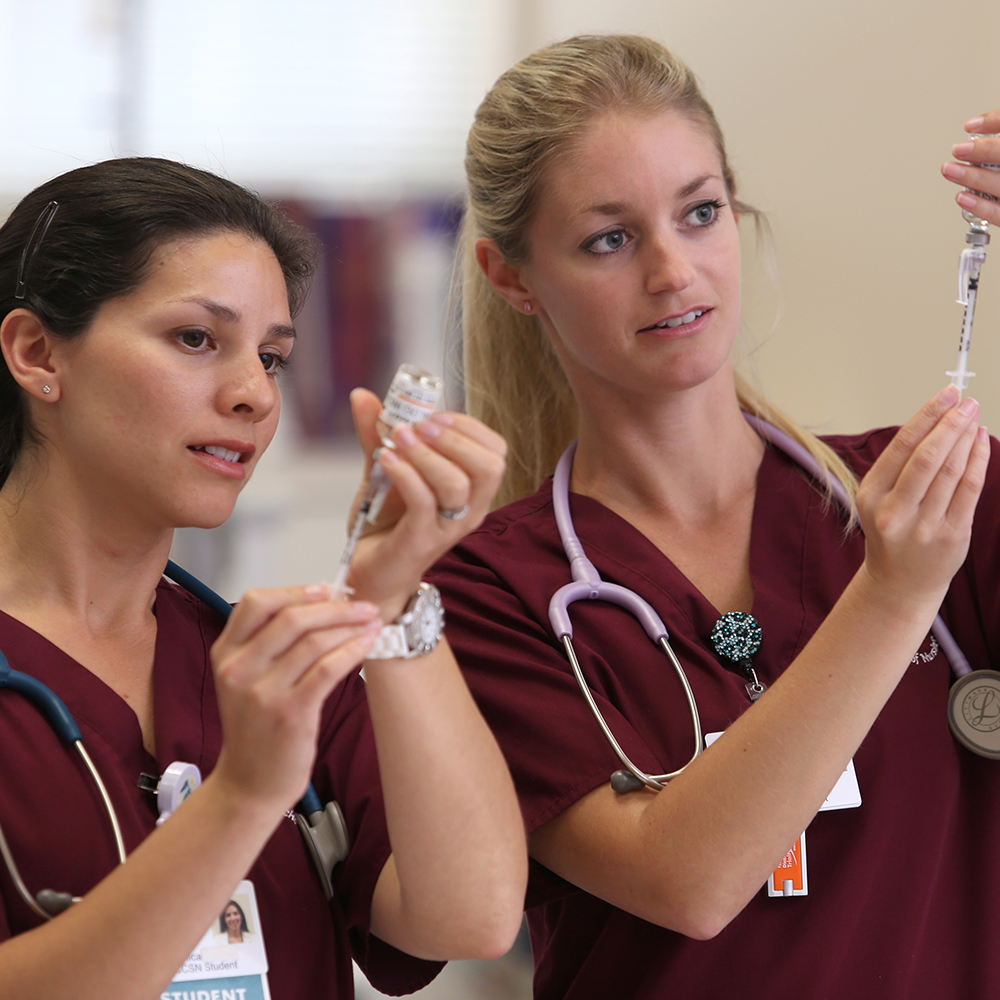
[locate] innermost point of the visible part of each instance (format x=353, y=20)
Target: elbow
x=484, y=937
x=484, y=927
x=494, y=941
x=476, y=918
x=491, y=934
x=703, y=926
x=699, y=917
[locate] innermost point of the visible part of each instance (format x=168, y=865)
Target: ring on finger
x=453, y=513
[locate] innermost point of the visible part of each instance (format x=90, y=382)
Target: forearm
x=690, y=857
x=454, y=886
x=130, y=934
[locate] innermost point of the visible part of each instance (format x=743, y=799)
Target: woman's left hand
x=970, y=174
x=449, y=463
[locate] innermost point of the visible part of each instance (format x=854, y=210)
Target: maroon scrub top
x=61, y=837
x=904, y=892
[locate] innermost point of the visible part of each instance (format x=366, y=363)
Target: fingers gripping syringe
x=969, y=266
x=412, y=397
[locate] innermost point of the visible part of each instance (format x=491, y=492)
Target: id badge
x=230, y=960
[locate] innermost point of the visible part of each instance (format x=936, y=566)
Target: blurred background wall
x=837, y=116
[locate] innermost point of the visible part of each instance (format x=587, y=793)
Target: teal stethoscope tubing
x=323, y=829
x=588, y=585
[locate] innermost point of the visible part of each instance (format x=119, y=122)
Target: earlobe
x=27, y=349
x=507, y=279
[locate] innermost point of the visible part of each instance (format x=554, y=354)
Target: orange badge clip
x=790, y=877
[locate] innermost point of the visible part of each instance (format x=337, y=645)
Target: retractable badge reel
x=176, y=783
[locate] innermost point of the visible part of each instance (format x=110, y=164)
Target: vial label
x=411, y=398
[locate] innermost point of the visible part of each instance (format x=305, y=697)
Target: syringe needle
x=375, y=494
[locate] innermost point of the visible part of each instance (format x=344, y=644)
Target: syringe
x=412, y=397
x=969, y=266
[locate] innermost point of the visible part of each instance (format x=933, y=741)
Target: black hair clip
x=41, y=227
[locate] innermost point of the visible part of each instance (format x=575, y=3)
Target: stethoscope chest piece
x=974, y=712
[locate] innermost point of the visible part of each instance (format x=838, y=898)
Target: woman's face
x=169, y=399
x=634, y=260
x=233, y=920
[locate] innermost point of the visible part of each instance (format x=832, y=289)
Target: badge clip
x=791, y=878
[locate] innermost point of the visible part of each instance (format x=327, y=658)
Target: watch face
x=428, y=625
x=427, y=621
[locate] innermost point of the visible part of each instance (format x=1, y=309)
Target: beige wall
x=837, y=118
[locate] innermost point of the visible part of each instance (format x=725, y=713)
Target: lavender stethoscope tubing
x=588, y=585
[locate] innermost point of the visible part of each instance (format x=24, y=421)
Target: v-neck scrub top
x=904, y=892
x=61, y=837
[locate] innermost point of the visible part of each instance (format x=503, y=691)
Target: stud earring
x=46, y=389
x=527, y=307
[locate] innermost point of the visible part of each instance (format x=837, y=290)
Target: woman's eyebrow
x=690, y=189
x=224, y=312
x=622, y=207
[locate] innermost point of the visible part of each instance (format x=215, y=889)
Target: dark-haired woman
x=145, y=312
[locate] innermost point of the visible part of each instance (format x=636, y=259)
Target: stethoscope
x=323, y=828
x=974, y=702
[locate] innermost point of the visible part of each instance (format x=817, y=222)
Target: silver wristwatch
x=416, y=631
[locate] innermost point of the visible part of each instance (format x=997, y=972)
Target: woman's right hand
x=281, y=653
x=450, y=461
x=917, y=502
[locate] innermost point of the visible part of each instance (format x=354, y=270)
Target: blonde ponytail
x=532, y=115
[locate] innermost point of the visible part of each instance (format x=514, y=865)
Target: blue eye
x=609, y=242
x=705, y=214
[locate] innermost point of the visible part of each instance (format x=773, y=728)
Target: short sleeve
x=525, y=688
x=347, y=771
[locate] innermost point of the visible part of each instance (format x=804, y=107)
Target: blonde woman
x=601, y=277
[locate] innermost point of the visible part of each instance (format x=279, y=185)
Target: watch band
x=388, y=644
x=415, y=632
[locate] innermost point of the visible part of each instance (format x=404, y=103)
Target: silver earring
x=527, y=307
x=46, y=389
